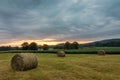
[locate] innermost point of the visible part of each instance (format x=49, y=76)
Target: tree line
x=34, y=46
x=67, y=45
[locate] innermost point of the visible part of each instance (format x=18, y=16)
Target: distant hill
x=104, y=43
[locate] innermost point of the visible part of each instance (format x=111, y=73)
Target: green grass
x=85, y=50
x=71, y=67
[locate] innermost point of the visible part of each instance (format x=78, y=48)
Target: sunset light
x=39, y=42
x=57, y=21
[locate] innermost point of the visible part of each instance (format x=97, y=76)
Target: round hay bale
x=24, y=61
x=61, y=54
x=101, y=52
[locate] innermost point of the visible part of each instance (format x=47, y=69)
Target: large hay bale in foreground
x=101, y=52
x=61, y=54
x=24, y=61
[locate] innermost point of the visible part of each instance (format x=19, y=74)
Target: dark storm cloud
x=59, y=19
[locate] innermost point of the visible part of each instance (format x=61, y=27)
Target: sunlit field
x=71, y=67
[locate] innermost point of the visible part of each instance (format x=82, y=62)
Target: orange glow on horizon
x=40, y=42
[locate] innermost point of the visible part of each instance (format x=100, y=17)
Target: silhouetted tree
x=45, y=47
x=67, y=45
x=75, y=45
x=25, y=45
x=33, y=46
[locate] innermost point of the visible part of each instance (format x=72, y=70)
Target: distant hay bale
x=61, y=54
x=24, y=61
x=101, y=52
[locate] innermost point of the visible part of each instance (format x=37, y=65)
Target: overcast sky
x=59, y=20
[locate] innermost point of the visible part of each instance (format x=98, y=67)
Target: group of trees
x=67, y=45
x=73, y=45
x=33, y=46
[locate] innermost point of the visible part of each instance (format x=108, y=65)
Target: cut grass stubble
x=71, y=67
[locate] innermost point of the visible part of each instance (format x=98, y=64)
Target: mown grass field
x=71, y=67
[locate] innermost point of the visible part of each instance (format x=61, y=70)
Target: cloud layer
x=59, y=20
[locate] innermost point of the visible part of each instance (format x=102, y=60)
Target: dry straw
x=61, y=54
x=101, y=52
x=24, y=61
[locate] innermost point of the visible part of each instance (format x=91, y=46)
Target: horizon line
x=18, y=43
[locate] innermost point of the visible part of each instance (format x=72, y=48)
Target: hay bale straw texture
x=61, y=54
x=101, y=52
x=24, y=61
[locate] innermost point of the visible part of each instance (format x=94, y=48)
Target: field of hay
x=71, y=67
